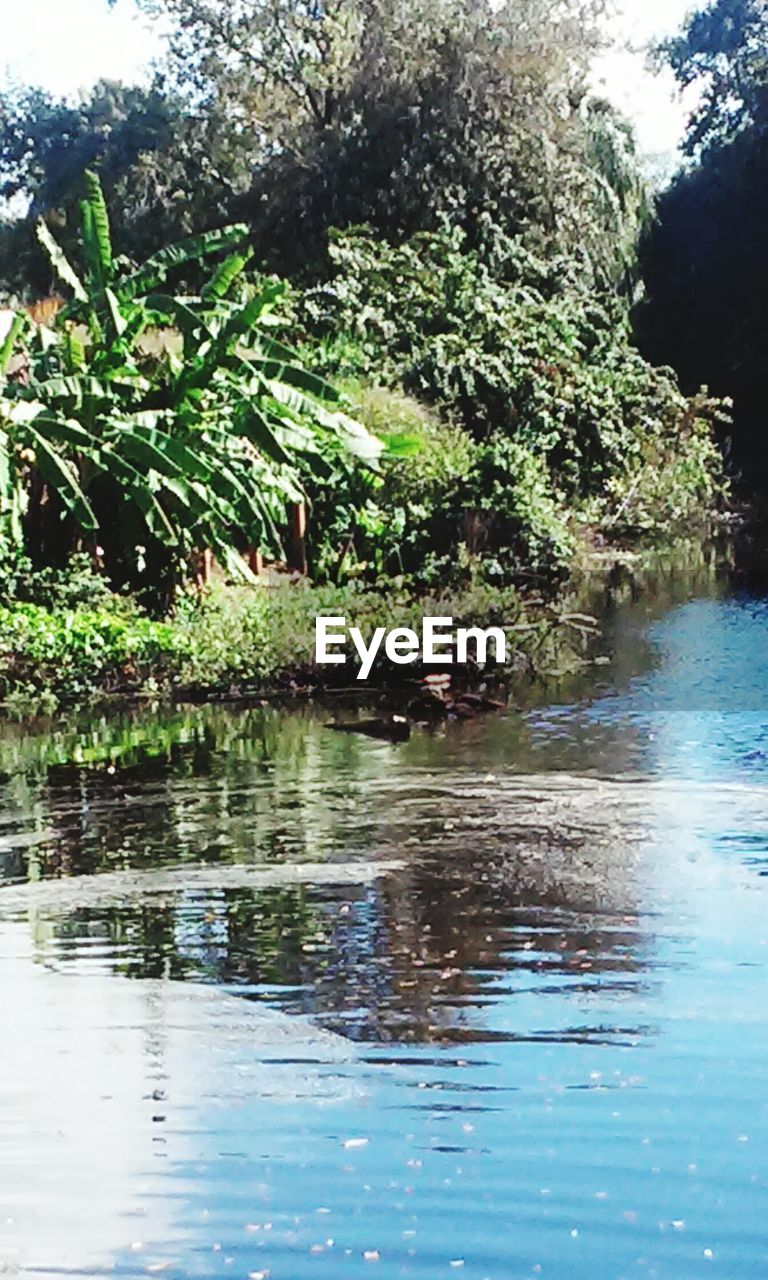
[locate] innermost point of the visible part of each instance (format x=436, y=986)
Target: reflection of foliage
x=269, y=934
x=128, y=795
x=266, y=937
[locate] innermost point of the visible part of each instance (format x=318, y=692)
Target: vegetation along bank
x=390, y=289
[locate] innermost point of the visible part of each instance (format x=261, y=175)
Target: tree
x=406, y=114
x=723, y=50
x=163, y=172
x=706, y=260
x=156, y=444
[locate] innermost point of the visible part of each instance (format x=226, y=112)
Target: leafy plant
x=159, y=423
x=78, y=583
x=72, y=655
x=538, y=370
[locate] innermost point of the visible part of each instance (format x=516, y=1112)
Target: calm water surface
x=513, y=1025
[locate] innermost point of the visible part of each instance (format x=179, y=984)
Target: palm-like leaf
x=60, y=263
x=202, y=442
x=8, y=344
x=225, y=276
x=61, y=473
x=155, y=270
x=100, y=247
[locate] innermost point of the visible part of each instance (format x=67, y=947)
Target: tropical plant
x=151, y=422
x=69, y=655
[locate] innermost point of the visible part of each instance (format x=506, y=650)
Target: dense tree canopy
x=157, y=160
x=297, y=119
x=723, y=50
x=706, y=262
x=403, y=115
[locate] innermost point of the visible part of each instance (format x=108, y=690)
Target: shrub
x=390, y=521
x=79, y=582
x=224, y=636
x=72, y=655
x=539, y=372
x=518, y=511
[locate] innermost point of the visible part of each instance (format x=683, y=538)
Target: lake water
x=493, y=1002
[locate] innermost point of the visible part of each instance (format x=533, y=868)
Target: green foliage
x=673, y=477
x=561, y=411
x=473, y=295
x=723, y=51
x=161, y=166
x=71, y=655
x=154, y=455
x=705, y=262
x=388, y=521
x=506, y=344
x=226, y=636
x=78, y=583
x=237, y=639
x=517, y=511
x=407, y=115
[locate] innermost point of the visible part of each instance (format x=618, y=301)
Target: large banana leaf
x=8, y=344
x=99, y=246
x=225, y=276
x=11, y=494
x=60, y=263
x=61, y=473
x=155, y=270
x=201, y=437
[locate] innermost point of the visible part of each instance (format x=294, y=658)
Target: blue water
x=543, y=1036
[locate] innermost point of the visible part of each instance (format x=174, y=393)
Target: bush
x=240, y=639
x=662, y=488
x=78, y=583
x=517, y=509
x=539, y=373
x=388, y=522
x=224, y=636
x=72, y=655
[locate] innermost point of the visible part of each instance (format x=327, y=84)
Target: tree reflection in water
x=503, y=892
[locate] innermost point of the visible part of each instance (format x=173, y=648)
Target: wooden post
x=297, y=552
x=254, y=560
x=474, y=530
x=203, y=565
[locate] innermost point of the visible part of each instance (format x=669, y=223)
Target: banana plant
x=190, y=407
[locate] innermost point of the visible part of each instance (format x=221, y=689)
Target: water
x=279, y=1002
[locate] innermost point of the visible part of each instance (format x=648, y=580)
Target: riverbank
x=232, y=643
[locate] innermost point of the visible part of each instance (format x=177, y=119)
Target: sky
x=650, y=100
x=66, y=45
